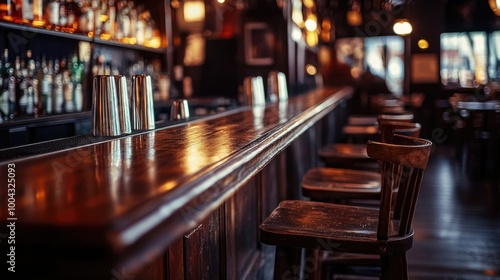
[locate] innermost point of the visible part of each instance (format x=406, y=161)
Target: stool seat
x=385, y=230
x=362, y=120
x=316, y=225
x=360, y=130
x=354, y=154
x=344, y=150
x=323, y=184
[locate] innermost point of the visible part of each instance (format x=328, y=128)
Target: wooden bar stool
x=297, y=224
x=341, y=184
x=355, y=187
x=353, y=155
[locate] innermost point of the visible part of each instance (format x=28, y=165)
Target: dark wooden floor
x=457, y=223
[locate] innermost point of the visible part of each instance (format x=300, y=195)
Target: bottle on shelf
x=57, y=89
x=48, y=72
x=38, y=18
x=63, y=15
x=122, y=21
x=101, y=16
x=77, y=68
x=132, y=38
x=52, y=9
x=68, y=86
x=5, y=9
x=21, y=74
x=108, y=28
x=10, y=10
x=37, y=87
x=73, y=13
x=86, y=18
x=26, y=11
x=4, y=90
x=32, y=85
x=10, y=83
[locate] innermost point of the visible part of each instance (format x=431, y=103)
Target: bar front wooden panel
x=180, y=202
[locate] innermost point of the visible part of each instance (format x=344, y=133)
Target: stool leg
x=394, y=267
x=287, y=263
x=312, y=264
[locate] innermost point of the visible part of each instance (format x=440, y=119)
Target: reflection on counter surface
x=199, y=109
x=126, y=200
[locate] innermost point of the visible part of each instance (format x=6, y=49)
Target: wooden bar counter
x=181, y=202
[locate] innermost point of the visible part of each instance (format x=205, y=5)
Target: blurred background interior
x=440, y=59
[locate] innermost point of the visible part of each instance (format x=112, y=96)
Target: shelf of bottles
x=115, y=22
x=32, y=87
x=41, y=76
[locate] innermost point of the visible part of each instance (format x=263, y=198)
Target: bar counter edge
x=126, y=202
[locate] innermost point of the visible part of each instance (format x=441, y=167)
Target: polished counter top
x=129, y=198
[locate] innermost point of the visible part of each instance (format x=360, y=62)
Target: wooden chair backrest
x=408, y=117
x=389, y=128
x=404, y=163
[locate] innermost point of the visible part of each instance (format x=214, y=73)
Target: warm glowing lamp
x=311, y=23
x=402, y=27
x=309, y=3
x=194, y=11
x=354, y=18
x=311, y=69
x=311, y=38
x=423, y=44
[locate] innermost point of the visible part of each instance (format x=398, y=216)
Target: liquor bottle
x=40, y=64
x=4, y=8
x=7, y=8
x=123, y=21
x=26, y=11
x=21, y=74
x=10, y=84
x=15, y=13
x=4, y=92
x=140, y=29
x=52, y=14
x=109, y=26
x=47, y=80
x=78, y=97
x=63, y=15
x=99, y=8
x=57, y=89
x=77, y=68
x=86, y=18
x=73, y=14
x=133, y=23
x=149, y=29
x=69, y=105
x=38, y=19
x=32, y=108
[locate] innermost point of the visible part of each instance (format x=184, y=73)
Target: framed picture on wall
x=259, y=44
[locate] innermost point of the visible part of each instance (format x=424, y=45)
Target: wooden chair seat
x=362, y=120
x=312, y=224
x=343, y=184
x=385, y=231
x=347, y=155
x=331, y=154
x=325, y=184
x=344, y=150
x=360, y=130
